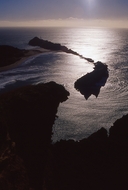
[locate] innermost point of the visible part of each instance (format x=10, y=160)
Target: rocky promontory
x=27, y=115
x=9, y=55
x=28, y=159
x=93, y=81
x=54, y=47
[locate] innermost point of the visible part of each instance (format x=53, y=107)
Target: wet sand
x=29, y=54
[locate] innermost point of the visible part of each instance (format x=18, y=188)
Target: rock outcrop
x=9, y=55
x=119, y=131
x=54, y=47
x=98, y=162
x=28, y=159
x=26, y=119
x=92, y=82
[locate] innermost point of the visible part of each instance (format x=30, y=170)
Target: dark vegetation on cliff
x=28, y=159
x=9, y=55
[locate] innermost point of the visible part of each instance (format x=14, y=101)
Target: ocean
x=77, y=117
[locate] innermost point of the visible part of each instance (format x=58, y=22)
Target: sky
x=64, y=13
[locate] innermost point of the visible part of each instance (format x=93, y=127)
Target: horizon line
x=69, y=22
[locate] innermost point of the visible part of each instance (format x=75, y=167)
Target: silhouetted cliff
x=9, y=55
x=26, y=119
x=55, y=47
x=98, y=162
x=28, y=159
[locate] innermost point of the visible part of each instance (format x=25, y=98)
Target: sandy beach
x=29, y=54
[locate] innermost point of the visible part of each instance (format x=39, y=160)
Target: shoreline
x=29, y=54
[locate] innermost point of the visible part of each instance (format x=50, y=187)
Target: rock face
x=119, y=130
x=55, y=47
x=99, y=162
x=44, y=44
x=9, y=55
x=28, y=159
x=92, y=82
x=27, y=116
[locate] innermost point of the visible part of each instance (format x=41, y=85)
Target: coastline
x=27, y=55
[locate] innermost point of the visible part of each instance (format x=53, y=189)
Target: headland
x=28, y=159
x=12, y=57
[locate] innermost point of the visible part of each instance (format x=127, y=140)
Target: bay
x=78, y=118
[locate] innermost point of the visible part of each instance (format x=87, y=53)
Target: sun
x=90, y=4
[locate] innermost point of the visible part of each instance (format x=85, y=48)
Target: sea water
x=77, y=117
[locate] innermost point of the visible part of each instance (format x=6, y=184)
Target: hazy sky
x=34, y=12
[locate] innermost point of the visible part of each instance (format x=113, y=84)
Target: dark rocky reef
x=54, y=47
x=92, y=82
x=9, y=55
x=27, y=115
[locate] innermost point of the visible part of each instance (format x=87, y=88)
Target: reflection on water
x=78, y=118
x=94, y=43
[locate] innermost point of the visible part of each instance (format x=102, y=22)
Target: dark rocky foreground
x=92, y=82
x=9, y=55
x=54, y=47
x=98, y=162
x=26, y=119
x=28, y=159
